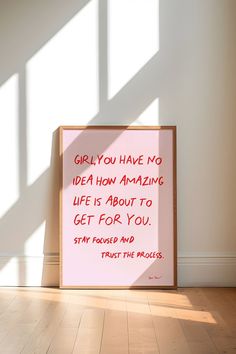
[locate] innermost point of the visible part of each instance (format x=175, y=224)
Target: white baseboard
x=29, y=270
x=219, y=271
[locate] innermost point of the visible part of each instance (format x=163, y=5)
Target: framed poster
x=118, y=207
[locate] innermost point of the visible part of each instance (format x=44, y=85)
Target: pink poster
x=118, y=207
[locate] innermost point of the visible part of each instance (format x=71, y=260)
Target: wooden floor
x=46, y=320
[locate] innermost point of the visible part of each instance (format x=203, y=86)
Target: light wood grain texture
x=184, y=321
x=115, y=331
x=89, y=335
x=142, y=336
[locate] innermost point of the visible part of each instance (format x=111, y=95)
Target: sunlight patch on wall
x=10, y=268
x=33, y=271
x=150, y=116
x=62, y=85
x=33, y=246
x=9, y=188
x=133, y=38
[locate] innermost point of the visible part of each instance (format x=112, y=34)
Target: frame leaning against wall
x=84, y=131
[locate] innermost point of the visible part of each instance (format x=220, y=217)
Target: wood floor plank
x=63, y=341
x=223, y=333
x=40, y=339
x=142, y=336
x=89, y=336
x=20, y=321
x=6, y=300
x=169, y=332
x=10, y=319
x=198, y=339
x=214, y=332
x=115, y=333
x=65, y=336
x=16, y=339
x=115, y=330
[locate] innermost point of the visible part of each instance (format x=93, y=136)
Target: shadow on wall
x=27, y=28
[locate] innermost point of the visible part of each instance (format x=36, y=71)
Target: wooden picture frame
x=128, y=242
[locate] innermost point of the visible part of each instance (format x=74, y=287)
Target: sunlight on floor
x=134, y=301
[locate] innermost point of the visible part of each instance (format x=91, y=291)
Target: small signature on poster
x=151, y=277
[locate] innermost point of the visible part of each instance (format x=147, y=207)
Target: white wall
x=171, y=62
